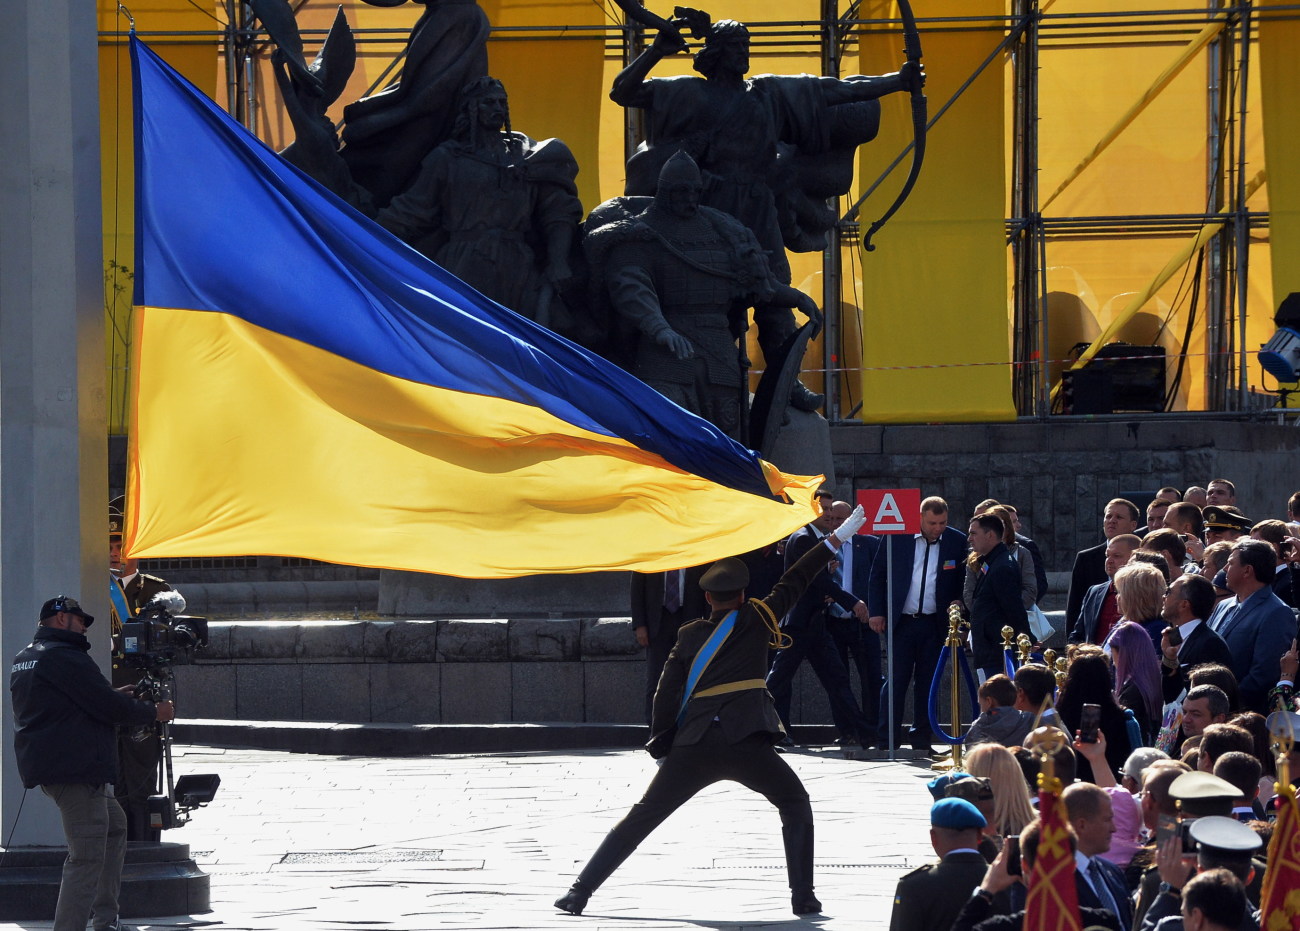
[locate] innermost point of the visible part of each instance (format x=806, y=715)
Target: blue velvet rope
x=1009, y=663
x=934, y=692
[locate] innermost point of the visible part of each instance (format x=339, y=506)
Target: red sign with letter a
x=891, y=510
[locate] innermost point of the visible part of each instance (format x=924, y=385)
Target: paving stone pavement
x=489, y=841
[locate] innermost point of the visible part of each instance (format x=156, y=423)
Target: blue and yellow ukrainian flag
x=307, y=385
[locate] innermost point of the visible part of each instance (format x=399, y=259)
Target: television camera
x=160, y=636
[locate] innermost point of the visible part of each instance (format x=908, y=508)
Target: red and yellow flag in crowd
x=1279, y=900
x=1053, y=901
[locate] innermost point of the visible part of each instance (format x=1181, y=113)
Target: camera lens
x=185, y=636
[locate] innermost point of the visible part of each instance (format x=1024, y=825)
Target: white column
x=53, y=432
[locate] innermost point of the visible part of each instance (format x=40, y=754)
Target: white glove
x=852, y=524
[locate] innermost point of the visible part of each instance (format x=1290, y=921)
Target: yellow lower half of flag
x=247, y=442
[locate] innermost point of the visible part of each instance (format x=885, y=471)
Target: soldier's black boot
x=799, y=865
x=575, y=900
x=611, y=853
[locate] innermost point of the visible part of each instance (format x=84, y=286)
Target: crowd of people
x=1180, y=639
x=1146, y=826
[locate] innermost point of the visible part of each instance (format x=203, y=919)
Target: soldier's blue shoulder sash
x=704, y=657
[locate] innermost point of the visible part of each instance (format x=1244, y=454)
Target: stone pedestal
x=803, y=447
x=157, y=880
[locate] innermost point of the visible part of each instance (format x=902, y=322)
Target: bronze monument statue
x=753, y=137
x=433, y=158
x=493, y=207
x=387, y=135
x=680, y=277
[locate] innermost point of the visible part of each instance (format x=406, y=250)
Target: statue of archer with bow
x=772, y=148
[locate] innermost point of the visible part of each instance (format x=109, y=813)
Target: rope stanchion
x=1009, y=664
x=952, y=646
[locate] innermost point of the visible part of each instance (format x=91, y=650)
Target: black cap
x=1222, y=518
x=65, y=605
x=725, y=575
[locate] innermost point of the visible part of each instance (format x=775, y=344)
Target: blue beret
x=956, y=814
x=939, y=784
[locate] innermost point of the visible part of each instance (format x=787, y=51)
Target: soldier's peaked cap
x=725, y=575
x=1202, y=794
x=1224, y=835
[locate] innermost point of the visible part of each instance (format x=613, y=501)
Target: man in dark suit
x=930, y=898
x=1101, y=882
x=1188, y=641
x=725, y=727
x=806, y=626
x=1120, y=516
x=929, y=570
x=661, y=603
x=1100, y=611
x=1257, y=625
x=857, y=644
x=997, y=602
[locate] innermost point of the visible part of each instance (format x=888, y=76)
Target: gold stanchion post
x=955, y=626
x=1024, y=646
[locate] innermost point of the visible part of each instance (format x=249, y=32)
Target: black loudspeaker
x=1120, y=378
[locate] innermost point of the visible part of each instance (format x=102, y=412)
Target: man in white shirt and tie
x=928, y=572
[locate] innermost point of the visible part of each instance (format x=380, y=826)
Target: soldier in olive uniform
x=929, y=898
x=139, y=748
x=725, y=727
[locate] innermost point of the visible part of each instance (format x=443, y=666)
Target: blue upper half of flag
x=223, y=224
